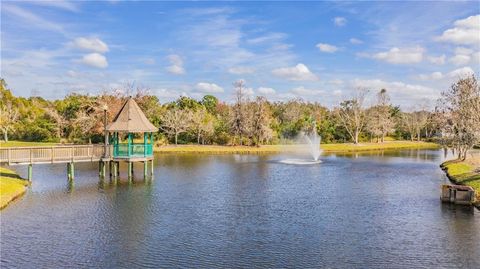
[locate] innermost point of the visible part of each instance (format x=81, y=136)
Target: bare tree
x=259, y=121
x=409, y=122
x=175, y=121
x=460, y=106
x=83, y=125
x=60, y=121
x=8, y=117
x=380, y=121
x=202, y=124
x=238, y=116
x=351, y=114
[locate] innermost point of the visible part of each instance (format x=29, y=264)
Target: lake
x=368, y=210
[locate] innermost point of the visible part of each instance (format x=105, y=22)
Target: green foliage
x=78, y=118
x=210, y=102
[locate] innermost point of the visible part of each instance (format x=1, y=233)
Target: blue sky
x=317, y=51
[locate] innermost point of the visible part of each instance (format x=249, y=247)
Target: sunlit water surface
x=242, y=211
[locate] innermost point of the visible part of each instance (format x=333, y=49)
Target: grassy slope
x=11, y=186
x=24, y=144
x=464, y=173
x=285, y=148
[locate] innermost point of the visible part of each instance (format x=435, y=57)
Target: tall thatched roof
x=131, y=119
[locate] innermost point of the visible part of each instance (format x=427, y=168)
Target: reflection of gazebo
x=129, y=121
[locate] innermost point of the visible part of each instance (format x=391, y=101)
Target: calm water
x=245, y=211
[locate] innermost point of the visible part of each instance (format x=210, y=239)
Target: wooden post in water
x=104, y=169
x=70, y=171
x=30, y=172
x=72, y=165
x=114, y=172
x=151, y=168
x=145, y=169
x=130, y=172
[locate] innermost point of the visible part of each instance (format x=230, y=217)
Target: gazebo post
x=129, y=143
x=145, y=144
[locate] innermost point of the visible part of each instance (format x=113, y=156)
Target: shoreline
x=329, y=148
x=463, y=173
x=12, y=186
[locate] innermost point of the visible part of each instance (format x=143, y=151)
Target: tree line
x=248, y=120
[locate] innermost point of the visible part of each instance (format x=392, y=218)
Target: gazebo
x=129, y=121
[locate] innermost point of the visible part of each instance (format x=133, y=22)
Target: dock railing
x=52, y=154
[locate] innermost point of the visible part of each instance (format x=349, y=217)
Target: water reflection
x=362, y=210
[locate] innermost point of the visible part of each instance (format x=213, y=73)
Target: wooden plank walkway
x=52, y=154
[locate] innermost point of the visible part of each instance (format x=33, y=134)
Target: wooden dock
x=52, y=154
x=106, y=156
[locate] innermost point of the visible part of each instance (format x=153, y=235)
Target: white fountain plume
x=313, y=143
x=314, y=140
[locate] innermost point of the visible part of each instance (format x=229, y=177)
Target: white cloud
x=90, y=44
x=460, y=59
x=208, y=87
x=72, y=74
x=30, y=19
x=437, y=59
x=95, y=60
x=66, y=5
x=476, y=58
x=336, y=82
x=166, y=94
x=299, y=72
x=218, y=41
x=249, y=91
x=326, y=47
x=303, y=91
x=432, y=76
x=461, y=72
x=340, y=21
x=463, y=50
x=402, y=92
x=176, y=65
x=239, y=70
x=356, y=41
x=266, y=91
x=401, y=56
x=463, y=56
x=466, y=31
x=270, y=37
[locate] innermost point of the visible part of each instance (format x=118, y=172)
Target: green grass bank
x=346, y=147
x=464, y=173
x=11, y=186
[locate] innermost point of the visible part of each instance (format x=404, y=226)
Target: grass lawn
x=464, y=173
x=11, y=186
x=4, y=144
x=347, y=147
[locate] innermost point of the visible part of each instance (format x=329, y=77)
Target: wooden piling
x=130, y=171
x=70, y=171
x=145, y=169
x=151, y=168
x=30, y=172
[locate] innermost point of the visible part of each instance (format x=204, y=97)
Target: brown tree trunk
x=176, y=138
